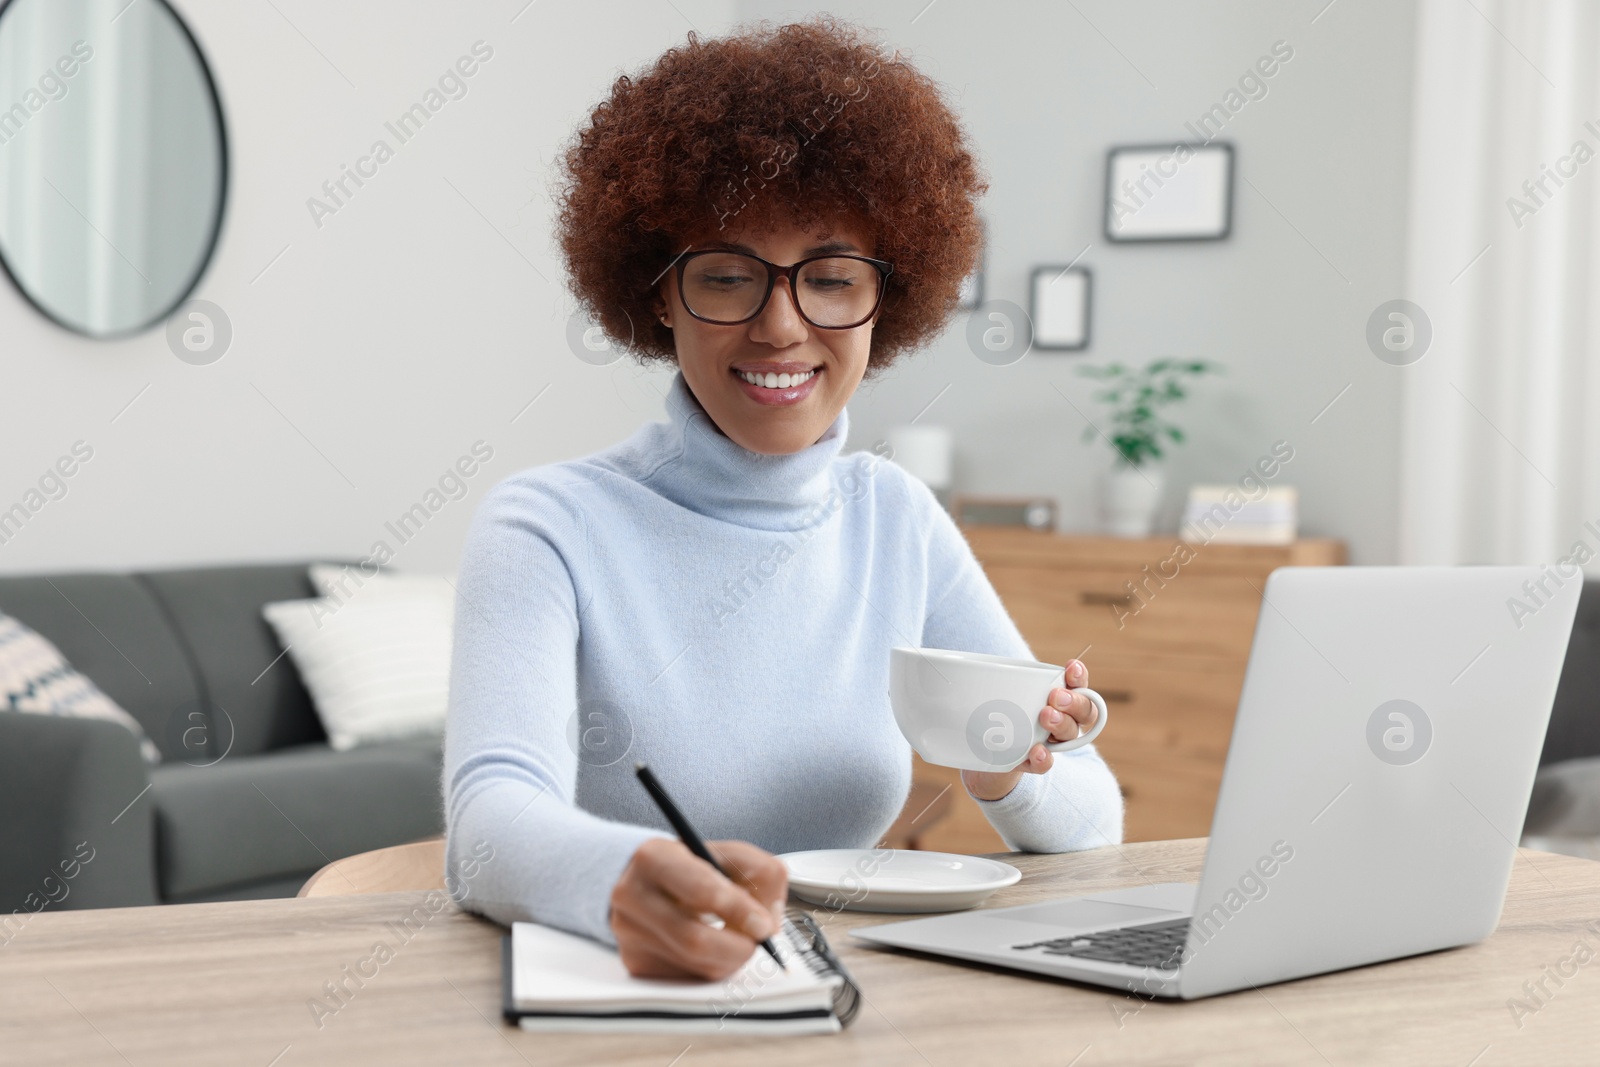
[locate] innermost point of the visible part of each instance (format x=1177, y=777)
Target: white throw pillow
x=35, y=677
x=377, y=666
x=350, y=582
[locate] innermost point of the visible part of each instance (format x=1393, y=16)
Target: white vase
x=1129, y=498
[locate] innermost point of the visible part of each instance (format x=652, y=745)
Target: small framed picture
x=1169, y=192
x=972, y=290
x=1060, y=307
x=972, y=284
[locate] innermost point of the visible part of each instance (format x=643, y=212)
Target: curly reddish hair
x=808, y=123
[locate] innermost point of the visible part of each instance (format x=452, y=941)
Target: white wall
x=1044, y=92
x=392, y=338
x=407, y=327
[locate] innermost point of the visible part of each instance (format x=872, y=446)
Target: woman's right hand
x=658, y=902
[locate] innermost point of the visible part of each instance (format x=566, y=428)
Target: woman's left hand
x=1066, y=716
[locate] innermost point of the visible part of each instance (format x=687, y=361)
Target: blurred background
x=428, y=310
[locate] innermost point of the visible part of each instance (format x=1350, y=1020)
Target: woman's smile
x=776, y=383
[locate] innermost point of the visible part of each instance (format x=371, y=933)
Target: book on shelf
x=1227, y=514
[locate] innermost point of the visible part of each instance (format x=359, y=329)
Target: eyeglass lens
x=729, y=287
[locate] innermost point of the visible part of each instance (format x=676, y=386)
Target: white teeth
x=776, y=381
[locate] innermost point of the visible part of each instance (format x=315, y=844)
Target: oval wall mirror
x=113, y=161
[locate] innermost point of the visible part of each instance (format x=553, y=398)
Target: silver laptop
x=1382, y=757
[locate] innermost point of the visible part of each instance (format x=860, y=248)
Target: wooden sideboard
x=1165, y=629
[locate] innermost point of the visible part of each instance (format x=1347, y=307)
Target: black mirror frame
x=223, y=174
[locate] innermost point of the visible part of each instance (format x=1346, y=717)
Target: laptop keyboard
x=1158, y=945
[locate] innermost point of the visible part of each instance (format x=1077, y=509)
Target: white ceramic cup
x=974, y=711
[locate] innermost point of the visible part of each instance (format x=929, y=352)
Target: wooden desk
x=230, y=983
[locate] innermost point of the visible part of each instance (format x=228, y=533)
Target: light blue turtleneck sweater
x=727, y=617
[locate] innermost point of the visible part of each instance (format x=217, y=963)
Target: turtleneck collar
x=707, y=472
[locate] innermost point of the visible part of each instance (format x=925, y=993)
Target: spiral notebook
x=558, y=981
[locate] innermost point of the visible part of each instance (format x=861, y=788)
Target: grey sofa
x=249, y=799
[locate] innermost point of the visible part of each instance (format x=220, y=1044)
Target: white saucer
x=900, y=881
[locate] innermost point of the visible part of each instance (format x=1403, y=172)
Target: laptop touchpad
x=1083, y=914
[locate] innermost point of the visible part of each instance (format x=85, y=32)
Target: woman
x=780, y=214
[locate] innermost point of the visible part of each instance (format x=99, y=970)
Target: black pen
x=687, y=835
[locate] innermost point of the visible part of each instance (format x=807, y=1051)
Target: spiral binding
x=813, y=948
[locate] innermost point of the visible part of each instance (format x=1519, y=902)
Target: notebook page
x=553, y=970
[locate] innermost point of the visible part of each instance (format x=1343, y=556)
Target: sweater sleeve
x=510, y=773
x=1074, y=805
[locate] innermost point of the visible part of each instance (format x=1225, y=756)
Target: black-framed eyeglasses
x=834, y=292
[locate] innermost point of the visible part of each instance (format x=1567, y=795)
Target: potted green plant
x=1139, y=432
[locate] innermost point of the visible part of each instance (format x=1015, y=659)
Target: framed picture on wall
x=1169, y=192
x=1059, y=298
x=972, y=290
x=972, y=284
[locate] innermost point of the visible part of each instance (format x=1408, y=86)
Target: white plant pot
x=1129, y=498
